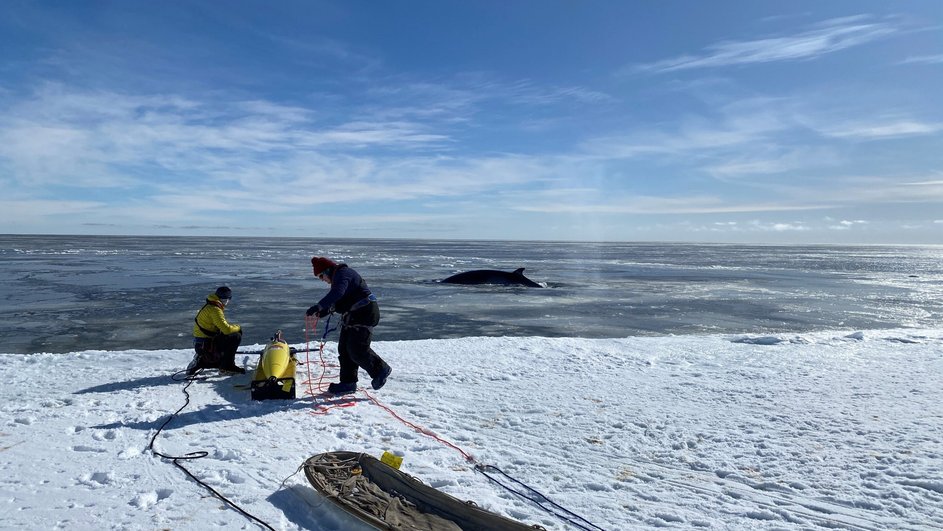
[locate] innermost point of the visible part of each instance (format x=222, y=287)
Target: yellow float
x=275, y=375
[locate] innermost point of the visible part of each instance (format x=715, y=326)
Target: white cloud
x=102, y=139
x=783, y=227
x=884, y=129
x=828, y=37
x=661, y=205
x=846, y=224
x=751, y=226
x=536, y=95
x=459, y=98
x=744, y=122
x=768, y=159
x=862, y=190
x=924, y=59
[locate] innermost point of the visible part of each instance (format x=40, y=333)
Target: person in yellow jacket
x=215, y=340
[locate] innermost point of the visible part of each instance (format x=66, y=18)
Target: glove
x=322, y=312
x=313, y=310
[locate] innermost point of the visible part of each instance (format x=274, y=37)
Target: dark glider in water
x=491, y=276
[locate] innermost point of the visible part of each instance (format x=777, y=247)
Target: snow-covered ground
x=823, y=430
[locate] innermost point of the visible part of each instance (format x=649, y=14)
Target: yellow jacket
x=211, y=319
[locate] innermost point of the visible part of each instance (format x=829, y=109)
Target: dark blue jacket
x=347, y=289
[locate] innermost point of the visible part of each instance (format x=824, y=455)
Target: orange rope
x=425, y=431
x=322, y=409
x=326, y=404
x=311, y=324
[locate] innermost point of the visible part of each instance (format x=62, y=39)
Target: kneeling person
x=215, y=340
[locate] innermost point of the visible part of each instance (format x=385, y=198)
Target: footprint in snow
x=226, y=455
x=84, y=448
x=422, y=448
x=235, y=478
x=59, y=402
x=106, y=435
x=130, y=453
x=146, y=500
x=669, y=517
x=597, y=487
x=96, y=479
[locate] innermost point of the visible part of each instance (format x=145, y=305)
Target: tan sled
x=384, y=498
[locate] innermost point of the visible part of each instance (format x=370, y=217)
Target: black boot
x=343, y=388
x=231, y=369
x=380, y=380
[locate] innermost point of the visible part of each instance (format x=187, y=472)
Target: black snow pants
x=219, y=351
x=353, y=346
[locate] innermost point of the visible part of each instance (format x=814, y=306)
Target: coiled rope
x=322, y=406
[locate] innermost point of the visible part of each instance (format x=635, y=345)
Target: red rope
x=309, y=324
x=326, y=405
x=322, y=409
x=425, y=431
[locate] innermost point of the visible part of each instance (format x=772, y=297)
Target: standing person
x=350, y=296
x=215, y=340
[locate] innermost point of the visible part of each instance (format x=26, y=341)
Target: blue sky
x=769, y=122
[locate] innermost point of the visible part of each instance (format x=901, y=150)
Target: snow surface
x=821, y=430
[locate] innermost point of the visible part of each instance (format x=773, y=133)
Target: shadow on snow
x=233, y=390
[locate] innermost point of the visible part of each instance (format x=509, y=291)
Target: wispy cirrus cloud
x=826, y=37
x=882, y=129
x=752, y=226
x=734, y=125
x=97, y=139
x=765, y=160
x=864, y=189
x=781, y=226
x=463, y=96
x=160, y=158
x=924, y=60
x=692, y=204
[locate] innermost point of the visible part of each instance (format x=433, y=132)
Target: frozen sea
x=70, y=293
x=675, y=386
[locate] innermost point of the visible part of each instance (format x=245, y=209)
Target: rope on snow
x=536, y=497
x=175, y=459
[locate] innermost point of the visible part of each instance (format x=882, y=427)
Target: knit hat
x=322, y=264
x=223, y=292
